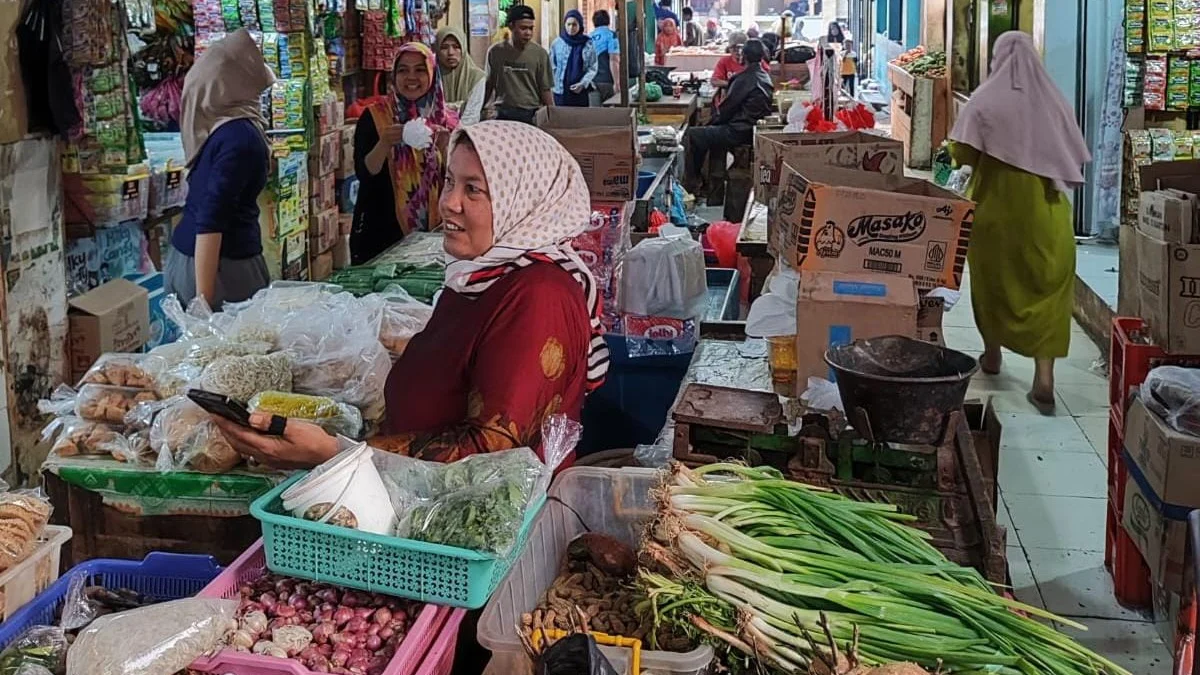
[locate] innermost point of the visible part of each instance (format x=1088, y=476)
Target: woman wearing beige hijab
x=216, y=250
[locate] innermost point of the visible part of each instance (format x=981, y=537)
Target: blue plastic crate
x=164, y=576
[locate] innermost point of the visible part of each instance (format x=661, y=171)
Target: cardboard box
x=321, y=267
x=930, y=312
x=1169, y=292
x=855, y=150
x=324, y=193
x=603, y=141
x=113, y=317
x=1128, y=299
x=345, y=224
x=1160, y=539
x=325, y=156
x=346, y=165
x=1169, y=215
x=836, y=308
x=852, y=221
x=1168, y=459
x=323, y=231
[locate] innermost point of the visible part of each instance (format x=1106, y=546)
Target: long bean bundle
x=759, y=562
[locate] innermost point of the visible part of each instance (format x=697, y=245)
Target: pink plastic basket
x=440, y=659
x=253, y=564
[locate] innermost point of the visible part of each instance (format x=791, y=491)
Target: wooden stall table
x=668, y=110
x=120, y=511
x=752, y=244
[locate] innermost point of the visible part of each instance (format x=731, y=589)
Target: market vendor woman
x=516, y=335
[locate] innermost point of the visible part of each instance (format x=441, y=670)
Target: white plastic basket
x=22, y=582
x=613, y=501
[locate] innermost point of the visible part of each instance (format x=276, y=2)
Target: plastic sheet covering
x=1174, y=394
x=159, y=639
x=576, y=654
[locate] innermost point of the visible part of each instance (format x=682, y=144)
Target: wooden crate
x=920, y=115
x=101, y=531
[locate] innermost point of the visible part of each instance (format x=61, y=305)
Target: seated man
x=748, y=101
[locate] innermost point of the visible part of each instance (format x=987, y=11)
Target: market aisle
x=1052, y=485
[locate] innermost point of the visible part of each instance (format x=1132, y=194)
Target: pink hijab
x=1019, y=117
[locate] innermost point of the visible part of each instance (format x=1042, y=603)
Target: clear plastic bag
x=194, y=322
x=339, y=419
x=241, y=377
x=352, y=369
x=77, y=611
x=74, y=436
x=1173, y=393
x=403, y=317
x=821, y=394
x=155, y=640
x=23, y=517
x=186, y=439
x=95, y=402
x=41, y=650
x=664, y=276
x=121, y=370
x=479, y=502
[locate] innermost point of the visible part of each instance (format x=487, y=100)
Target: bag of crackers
x=95, y=402
x=23, y=517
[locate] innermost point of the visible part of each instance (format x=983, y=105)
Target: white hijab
x=225, y=84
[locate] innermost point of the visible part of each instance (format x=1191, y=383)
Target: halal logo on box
x=895, y=229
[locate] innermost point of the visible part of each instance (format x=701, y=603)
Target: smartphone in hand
x=233, y=410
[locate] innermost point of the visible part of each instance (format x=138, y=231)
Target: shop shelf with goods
x=426, y=630
x=162, y=576
x=920, y=104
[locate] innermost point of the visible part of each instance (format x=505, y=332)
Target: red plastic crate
x=1129, y=362
x=1185, y=624
x=1130, y=574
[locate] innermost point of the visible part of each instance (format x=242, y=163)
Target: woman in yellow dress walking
x=1027, y=153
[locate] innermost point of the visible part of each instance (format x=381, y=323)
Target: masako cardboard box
x=855, y=150
x=1169, y=292
x=835, y=220
x=603, y=141
x=837, y=308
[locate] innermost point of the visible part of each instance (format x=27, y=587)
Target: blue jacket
x=560, y=51
x=223, y=187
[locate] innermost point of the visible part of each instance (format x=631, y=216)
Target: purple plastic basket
x=163, y=576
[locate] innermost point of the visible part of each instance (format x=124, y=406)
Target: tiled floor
x=1052, y=484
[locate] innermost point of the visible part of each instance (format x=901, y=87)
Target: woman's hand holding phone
x=303, y=445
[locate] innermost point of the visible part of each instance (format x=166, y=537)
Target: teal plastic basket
x=405, y=568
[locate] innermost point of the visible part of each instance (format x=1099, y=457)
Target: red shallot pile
x=326, y=628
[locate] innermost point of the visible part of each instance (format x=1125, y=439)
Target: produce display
x=757, y=566
x=151, y=640
x=40, y=650
x=326, y=628
x=420, y=281
x=920, y=63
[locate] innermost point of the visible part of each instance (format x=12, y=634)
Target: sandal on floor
x=1043, y=406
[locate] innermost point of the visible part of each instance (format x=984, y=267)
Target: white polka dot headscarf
x=539, y=203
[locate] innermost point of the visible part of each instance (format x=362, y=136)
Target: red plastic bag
x=722, y=235
x=355, y=110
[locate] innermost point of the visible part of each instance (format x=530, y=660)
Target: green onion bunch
x=759, y=565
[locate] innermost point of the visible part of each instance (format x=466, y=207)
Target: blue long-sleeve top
x=560, y=52
x=223, y=188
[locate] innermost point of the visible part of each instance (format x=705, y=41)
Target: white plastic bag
x=1174, y=394
x=159, y=639
x=821, y=394
x=665, y=276
x=773, y=314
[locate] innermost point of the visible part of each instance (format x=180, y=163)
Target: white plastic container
x=22, y=582
x=349, y=481
x=613, y=501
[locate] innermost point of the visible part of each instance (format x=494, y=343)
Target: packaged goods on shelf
x=1135, y=26
x=1135, y=82
x=323, y=231
x=113, y=252
x=1155, y=86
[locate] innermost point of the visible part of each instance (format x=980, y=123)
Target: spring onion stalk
x=761, y=564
